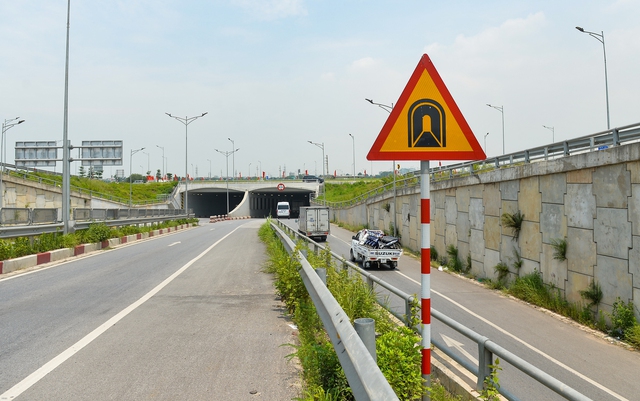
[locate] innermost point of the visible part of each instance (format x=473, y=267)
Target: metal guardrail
x=588, y=143
x=365, y=378
x=29, y=222
x=486, y=348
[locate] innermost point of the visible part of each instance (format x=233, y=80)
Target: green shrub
x=593, y=293
x=502, y=269
x=632, y=335
x=433, y=252
x=559, y=249
x=622, y=318
x=513, y=221
x=454, y=263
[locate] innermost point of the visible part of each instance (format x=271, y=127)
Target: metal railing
x=588, y=143
x=20, y=222
x=486, y=348
x=365, y=378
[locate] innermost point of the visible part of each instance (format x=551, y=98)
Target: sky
x=274, y=74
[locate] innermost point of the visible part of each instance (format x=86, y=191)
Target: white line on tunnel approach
x=531, y=347
x=48, y=367
x=175, y=243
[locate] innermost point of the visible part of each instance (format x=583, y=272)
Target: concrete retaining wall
x=591, y=199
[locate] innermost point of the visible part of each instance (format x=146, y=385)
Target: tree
x=158, y=175
x=169, y=176
x=81, y=171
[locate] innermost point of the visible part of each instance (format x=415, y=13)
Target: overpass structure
x=238, y=198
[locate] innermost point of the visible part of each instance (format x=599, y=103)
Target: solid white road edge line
x=531, y=347
x=36, y=376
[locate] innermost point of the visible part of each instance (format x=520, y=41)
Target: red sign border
x=476, y=152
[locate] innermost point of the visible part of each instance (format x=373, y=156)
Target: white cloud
x=272, y=9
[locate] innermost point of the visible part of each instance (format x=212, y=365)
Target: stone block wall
x=592, y=200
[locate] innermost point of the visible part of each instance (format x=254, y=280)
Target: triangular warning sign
x=425, y=123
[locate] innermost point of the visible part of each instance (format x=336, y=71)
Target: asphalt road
x=573, y=354
x=188, y=316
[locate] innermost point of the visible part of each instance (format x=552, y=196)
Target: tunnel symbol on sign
x=427, y=125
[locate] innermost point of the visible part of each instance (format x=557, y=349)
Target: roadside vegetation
x=140, y=193
x=23, y=246
x=398, y=347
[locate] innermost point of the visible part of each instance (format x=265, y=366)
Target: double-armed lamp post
x=227, y=154
x=186, y=121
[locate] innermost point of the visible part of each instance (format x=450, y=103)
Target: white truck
x=373, y=249
x=314, y=222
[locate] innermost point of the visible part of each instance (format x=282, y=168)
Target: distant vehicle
x=312, y=178
x=138, y=182
x=314, y=222
x=283, y=210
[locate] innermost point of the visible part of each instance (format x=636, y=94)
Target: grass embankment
x=398, y=347
x=139, y=192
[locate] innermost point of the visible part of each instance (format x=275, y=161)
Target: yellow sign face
x=426, y=123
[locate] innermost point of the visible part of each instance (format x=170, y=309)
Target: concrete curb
x=25, y=262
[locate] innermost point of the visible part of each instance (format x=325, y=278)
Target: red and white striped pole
x=425, y=262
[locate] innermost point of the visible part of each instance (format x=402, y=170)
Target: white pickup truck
x=373, y=249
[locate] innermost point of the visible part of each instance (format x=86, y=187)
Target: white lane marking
x=45, y=369
x=531, y=347
x=175, y=243
x=451, y=343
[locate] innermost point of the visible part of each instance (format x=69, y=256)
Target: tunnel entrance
x=261, y=203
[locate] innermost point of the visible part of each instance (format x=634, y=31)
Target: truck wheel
x=393, y=265
x=351, y=256
x=323, y=238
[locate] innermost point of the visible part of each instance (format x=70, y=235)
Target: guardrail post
x=485, y=358
x=565, y=144
x=366, y=329
x=616, y=137
x=526, y=156
x=322, y=273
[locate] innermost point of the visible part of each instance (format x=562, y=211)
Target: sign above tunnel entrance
x=426, y=123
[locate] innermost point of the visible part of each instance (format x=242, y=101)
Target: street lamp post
x=227, y=154
x=186, y=121
x=6, y=125
x=249, y=175
x=501, y=110
x=553, y=133
x=353, y=140
x=393, y=168
x=485, y=143
x=164, y=167
x=233, y=158
x=133, y=152
x=321, y=146
x=209, y=168
x=600, y=38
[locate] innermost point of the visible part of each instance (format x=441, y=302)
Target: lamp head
x=580, y=29
x=369, y=100
x=168, y=114
x=204, y=114
x=20, y=122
